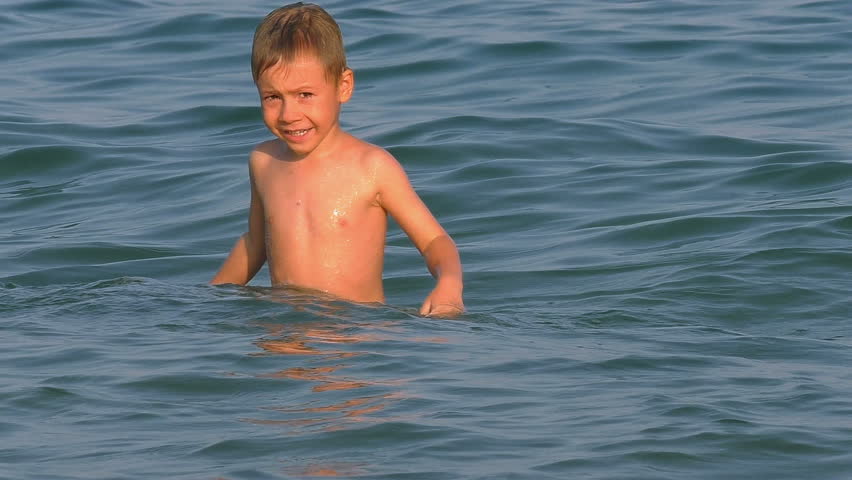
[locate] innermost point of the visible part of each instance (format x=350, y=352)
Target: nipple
x=337, y=217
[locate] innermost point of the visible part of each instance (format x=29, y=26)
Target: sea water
x=652, y=200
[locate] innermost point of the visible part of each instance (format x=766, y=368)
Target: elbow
x=442, y=258
x=255, y=246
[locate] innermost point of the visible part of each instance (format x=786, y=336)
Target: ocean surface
x=652, y=200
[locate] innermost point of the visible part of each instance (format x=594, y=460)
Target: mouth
x=297, y=133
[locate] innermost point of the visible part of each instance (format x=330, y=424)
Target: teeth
x=297, y=133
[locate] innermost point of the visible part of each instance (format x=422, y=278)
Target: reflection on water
x=335, y=469
x=339, y=469
x=319, y=374
x=308, y=300
x=329, y=336
x=321, y=340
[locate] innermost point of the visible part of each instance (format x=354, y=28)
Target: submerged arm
x=249, y=253
x=442, y=259
x=398, y=198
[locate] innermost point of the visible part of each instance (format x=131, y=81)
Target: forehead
x=303, y=69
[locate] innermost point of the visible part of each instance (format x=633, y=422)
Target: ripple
x=651, y=200
x=29, y=161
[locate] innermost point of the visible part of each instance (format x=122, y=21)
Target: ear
x=345, y=85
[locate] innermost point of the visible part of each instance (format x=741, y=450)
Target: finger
x=445, y=310
x=426, y=307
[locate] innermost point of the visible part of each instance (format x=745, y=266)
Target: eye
x=305, y=95
x=270, y=97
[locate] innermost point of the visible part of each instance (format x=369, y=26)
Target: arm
x=249, y=253
x=442, y=259
x=398, y=198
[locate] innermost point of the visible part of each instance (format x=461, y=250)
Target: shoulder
x=387, y=175
x=265, y=152
x=263, y=155
x=370, y=160
x=376, y=159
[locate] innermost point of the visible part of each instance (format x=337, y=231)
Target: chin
x=300, y=148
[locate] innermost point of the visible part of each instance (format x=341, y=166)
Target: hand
x=444, y=301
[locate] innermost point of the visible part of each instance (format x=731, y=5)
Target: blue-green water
x=652, y=199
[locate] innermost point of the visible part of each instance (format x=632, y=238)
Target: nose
x=289, y=111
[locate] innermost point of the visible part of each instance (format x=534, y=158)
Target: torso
x=324, y=227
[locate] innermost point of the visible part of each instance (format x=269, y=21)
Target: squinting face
x=300, y=106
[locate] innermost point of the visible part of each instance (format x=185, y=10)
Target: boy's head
x=294, y=30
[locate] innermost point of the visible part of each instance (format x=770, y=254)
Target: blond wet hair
x=294, y=30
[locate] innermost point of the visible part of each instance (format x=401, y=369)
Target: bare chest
x=317, y=204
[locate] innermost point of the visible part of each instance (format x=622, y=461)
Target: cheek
x=269, y=114
x=324, y=109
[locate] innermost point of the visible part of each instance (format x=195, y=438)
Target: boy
x=319, y=196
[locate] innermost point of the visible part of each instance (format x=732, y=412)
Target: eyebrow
x=300, y=86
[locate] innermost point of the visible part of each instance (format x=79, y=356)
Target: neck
x=324, y=149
